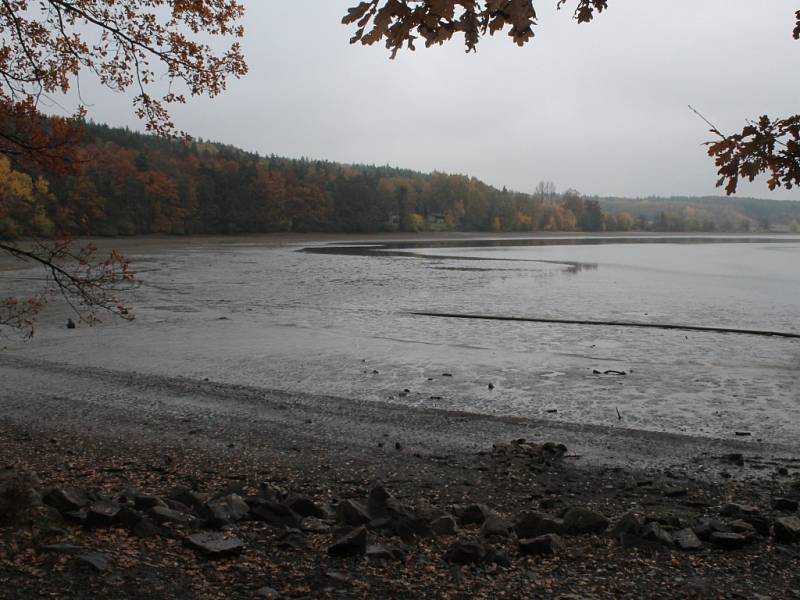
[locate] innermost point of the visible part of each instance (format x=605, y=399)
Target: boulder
x=214, y=545
x=385, y=552
x=274, y=514
x=533, y=524
x=687, y=540
x=225, y=510
x=161, y=514
x=353, y=513
x=465, y=553
x=102, y=513
x=351, y=544
x=581, y=521
x=444, y=525
x=305, y=507
x=496, y=526
x=474, y=514
x=787, y=529
x=66, y=499
x=547, y=544
x=729, y=541
x=653, y=532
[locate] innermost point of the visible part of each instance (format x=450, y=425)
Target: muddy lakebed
x=334, y=317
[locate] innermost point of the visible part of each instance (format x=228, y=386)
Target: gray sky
x=598, y=107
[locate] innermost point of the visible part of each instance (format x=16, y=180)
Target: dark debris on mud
x=91, y=517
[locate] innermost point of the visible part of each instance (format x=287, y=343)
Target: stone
x=225, y=510
x=162, y=514
x=62, y=548
x=729, y=541
x=267, y=593
x=784, y=504
x=687, y=540
x=444, y=525
x=190, y=499
x=146, y=502
x=629, y=523
x=351, y=544
x=385, y=552
x=498, y=557
x=353, y=513
x=738, y=510
x=274, y=514
x=655, y=533
x=293, y=540
x=128, y=517
x=580, y=521
x=547, y=544
x=66, y=499
x=742, y=526
x=146, y=528
x=96, y=562
x=306, y=507
x=409, y=527
x=474, y=514
x=495, y=526
x=102, y=513
x=214, y=545
x=787, y=529
x=465, y=553
x=78, y=517
x=380, y=502
x=704, y=527
x=314, y=525
x=533, y=524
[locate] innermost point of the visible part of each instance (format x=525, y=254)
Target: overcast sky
x=600, y=107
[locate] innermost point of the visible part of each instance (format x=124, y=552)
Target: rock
x=274, y=514
x=96, y=562
x=388, y=552
x=146, y=528
x=70, y=324
x=161, y=514
x=351, y=544
x=704, y=527
x=655, y=533
x=736, y=458
x=495, y=526
x=191, y=499
x=787, y=529
x=738, y=510
x=305, y=507
x=66, y=499
x=784, y=504
x=19, y=493
x=533, y=524
x=729, y=541
x=474, y=514
x=380, y=503
x=314, y=525
x=214, y=545
x=146, y=502
x=62, y=549
x=465, y=553
x=498, y=557
x=225, y=510
x=267, y=593
x=687, y=540
x=102, y=513
x=547, y=544
x=128, y=517
x=444, y=525
x=353, y=513
x=407, y=528
x=742, y=526
x=580, y=521
x=78, y=517
x=629, y=523
x=293, y=540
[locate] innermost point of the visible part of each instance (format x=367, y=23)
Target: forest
x=131, y=183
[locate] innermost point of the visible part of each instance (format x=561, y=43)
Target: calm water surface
x=312, y=317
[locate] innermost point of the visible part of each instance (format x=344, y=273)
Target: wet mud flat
x=127, y=440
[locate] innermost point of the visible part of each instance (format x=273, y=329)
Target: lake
x=333, y=318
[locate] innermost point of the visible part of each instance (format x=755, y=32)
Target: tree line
x=130, y=184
